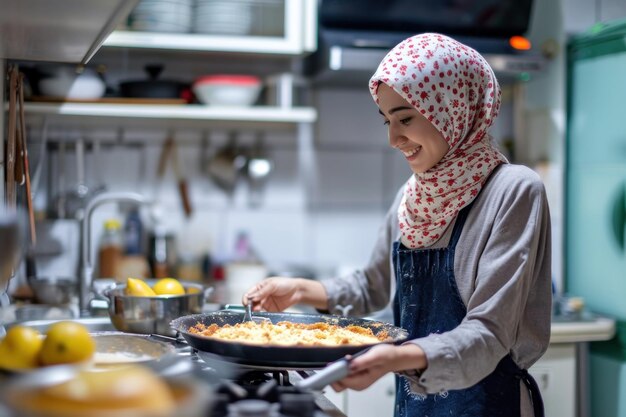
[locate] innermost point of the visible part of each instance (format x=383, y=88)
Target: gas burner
x=244, y=390
x=269, y=399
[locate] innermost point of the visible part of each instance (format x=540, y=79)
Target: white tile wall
x=349, y=117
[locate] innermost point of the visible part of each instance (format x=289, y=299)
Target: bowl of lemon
x=64, y=343
x=147, y=306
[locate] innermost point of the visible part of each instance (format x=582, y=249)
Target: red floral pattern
x=454, y=87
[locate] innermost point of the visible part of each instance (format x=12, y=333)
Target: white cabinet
x=555, y=374
x=376, y=401
x=558, y=373
x=58, y=30
x=300, y=36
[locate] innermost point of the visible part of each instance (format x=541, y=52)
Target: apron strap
x=533, y=390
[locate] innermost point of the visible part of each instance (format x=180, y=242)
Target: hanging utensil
x=76, y=199
x=62, y=195
x=17, y=153
x=22, y=136
x=96, y=151
x=10, y=187
x=42, y=155
x=226, y=166
x=169, y=151
x=259, y=167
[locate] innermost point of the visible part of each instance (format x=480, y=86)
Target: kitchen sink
x=94, y=324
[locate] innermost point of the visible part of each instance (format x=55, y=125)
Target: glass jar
x=111, y=249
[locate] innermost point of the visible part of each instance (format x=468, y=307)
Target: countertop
x=583, y=327
x=586, y=328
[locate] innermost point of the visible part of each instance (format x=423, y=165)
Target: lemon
x=20, y=348
x=66, y=342
x=168, y=286
x=138, y=288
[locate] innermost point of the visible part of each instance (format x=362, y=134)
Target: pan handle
x=333, y=372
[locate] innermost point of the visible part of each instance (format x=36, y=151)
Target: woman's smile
x=411, y=154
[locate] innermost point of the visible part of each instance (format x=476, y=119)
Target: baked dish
x=286, y=333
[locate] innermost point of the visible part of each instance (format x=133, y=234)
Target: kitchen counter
x=588, y=328
x=562, y=370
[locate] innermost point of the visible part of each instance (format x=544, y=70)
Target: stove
x=260, y=393
x=248, y=391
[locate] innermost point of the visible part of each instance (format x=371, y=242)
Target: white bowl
x=64, y=82
x=227, y=90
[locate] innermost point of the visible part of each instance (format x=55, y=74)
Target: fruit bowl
x=152, y=314
x=227, y=90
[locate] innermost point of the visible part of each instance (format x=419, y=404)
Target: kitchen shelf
x=203, y=43
x=87, y=113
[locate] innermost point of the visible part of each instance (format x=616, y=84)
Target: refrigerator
x=595, y=252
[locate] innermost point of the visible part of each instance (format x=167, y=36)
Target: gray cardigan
x=503, y=272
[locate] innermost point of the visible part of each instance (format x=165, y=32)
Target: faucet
x=86, y=278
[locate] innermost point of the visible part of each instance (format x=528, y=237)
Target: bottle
x=111, y=249
x=162, y=254
x=189, y=267
x=133, y=233
x=220, y=289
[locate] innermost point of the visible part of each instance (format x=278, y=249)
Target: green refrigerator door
x=596, y=261
x=595, y=205
x=596, y=169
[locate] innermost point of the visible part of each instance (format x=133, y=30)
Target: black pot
x=152, y=87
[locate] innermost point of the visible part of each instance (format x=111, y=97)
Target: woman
x=466, y=245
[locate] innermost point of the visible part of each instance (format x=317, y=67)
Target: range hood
x=341, y=64
x=58, y=30
x=353, y=40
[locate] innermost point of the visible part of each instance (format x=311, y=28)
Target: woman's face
x=410, y=132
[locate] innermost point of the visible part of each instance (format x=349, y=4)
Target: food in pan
x=287, y=333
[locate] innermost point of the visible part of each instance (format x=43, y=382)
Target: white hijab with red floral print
x=456, y=90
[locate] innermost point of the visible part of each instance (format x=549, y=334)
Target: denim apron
x=427, y=301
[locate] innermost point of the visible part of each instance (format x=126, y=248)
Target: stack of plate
x=227, y=17
x=268, y=18
x=162, y=16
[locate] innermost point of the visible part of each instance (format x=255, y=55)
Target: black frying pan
x=286, y=357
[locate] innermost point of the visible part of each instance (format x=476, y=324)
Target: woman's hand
x=379, y=360
x=273, y=294
x=280, y=293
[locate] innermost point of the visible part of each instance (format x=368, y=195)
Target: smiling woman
x=465, y=247
x=410, y=132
